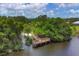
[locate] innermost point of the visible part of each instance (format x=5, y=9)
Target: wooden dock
x=37, y=42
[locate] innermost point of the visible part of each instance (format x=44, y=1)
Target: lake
x=55, y=49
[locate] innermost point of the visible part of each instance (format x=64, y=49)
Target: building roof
x=76, y=22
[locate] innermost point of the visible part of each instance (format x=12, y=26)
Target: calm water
x=55, y=49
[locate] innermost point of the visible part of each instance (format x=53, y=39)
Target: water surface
x=55, y=49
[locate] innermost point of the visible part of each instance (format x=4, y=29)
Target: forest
x=11, y=27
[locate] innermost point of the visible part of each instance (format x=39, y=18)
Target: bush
x=28, y=40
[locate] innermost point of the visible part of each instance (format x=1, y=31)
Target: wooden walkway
x=40, y=41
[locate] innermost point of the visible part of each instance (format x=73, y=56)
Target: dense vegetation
x=11, y=28
x=55, y=28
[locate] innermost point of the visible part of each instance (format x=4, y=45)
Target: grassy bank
x=75, y=30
